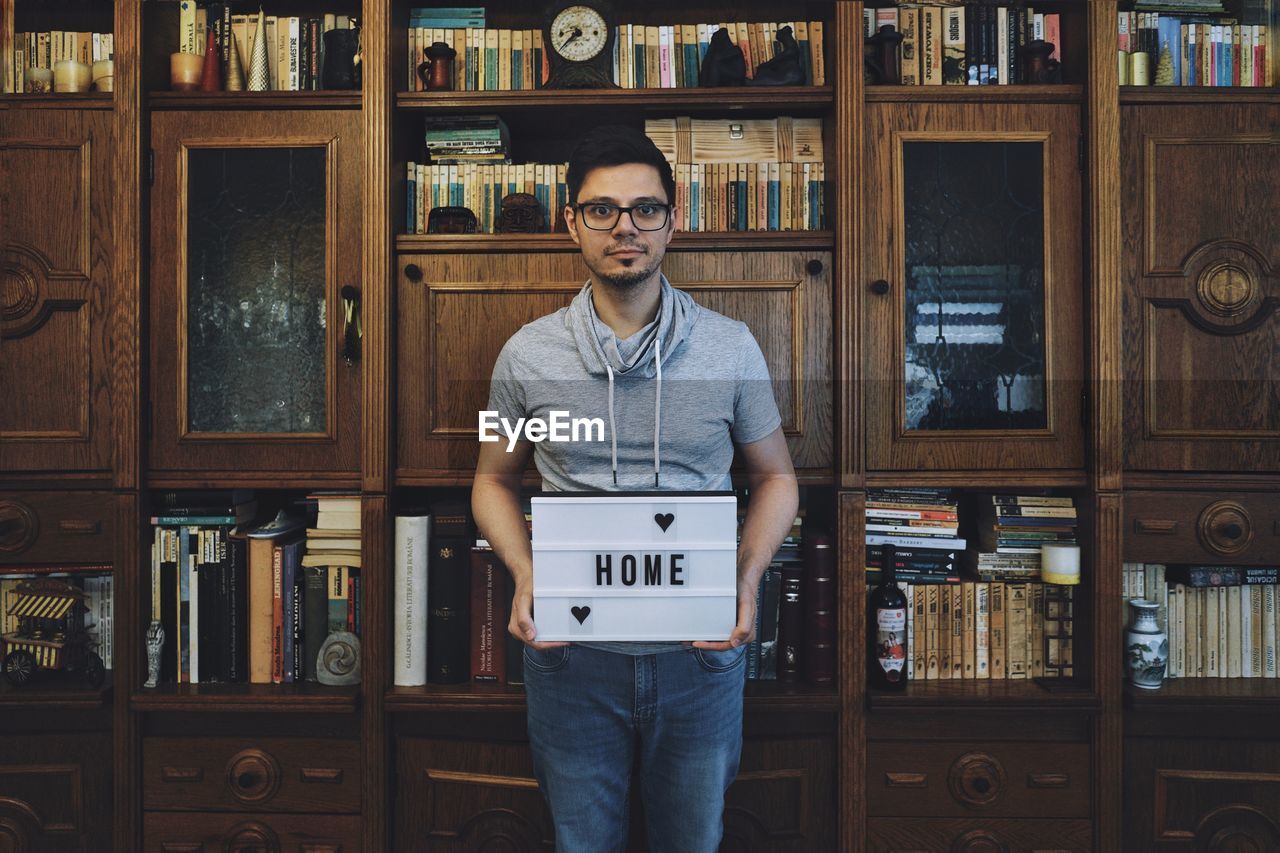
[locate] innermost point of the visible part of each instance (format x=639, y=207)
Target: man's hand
x=521, y=625
x=745, y=631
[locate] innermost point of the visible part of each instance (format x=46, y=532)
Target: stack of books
x=451, y=140
x=922, y=524
x=976, y=630
x=1192, y=43
x=1011, y=529
x=332, y=559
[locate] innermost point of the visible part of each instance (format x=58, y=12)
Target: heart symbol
x=580, y=613
x=664, y=520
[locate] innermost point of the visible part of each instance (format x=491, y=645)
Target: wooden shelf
x=62, y=690
x=683, y=241
x=533, y=480
x=736, y=98
x=251, y=480
x=1062, y=93
x=248, y=698
x=62, y=101
x=1013, y=479
x=1206, y=695
x=992, y=695
x=760, y=695
x=1180, y=95
x=324, y=99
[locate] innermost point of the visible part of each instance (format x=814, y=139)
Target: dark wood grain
x=1000, y=694
x=889, y=445
x=191, y=832
x=1026, y=94
x=55, y=792
x=683, y=241
x=248, y=698
x=972, y=835
x=1178, y=527
x=756, y=98
x=57, y=527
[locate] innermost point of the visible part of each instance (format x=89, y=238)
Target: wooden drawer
x=1202, y=527
x=943, y=835
x=958, y=779
x=55, y=790
x=230, y=833
x=235, y=774
x=56, y=527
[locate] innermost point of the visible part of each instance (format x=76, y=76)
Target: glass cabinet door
x=973, y=271
x=255, y=297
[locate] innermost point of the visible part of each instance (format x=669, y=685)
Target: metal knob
x=413, y=272
x=814, y=266
x=879, y=287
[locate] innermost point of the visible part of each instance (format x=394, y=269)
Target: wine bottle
x=888, y=646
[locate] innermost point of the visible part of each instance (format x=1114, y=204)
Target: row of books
x=759, y=196
x=42, y=50
x=295, y=45
x=480, y=187
x=974, y=44
x=997, y=630
x=245, y=610
x=95, y=581
x=1221, y=620
x=644, y=57
x=1166, y=50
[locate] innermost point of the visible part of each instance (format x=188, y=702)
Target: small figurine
x=338, y=662
x=520, y=214
x=50, y=634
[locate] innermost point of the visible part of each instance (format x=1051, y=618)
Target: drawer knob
x=814, y=266
x=253, y=776
x=976, y=779
x=1225, y=528
x=979, y=841
x=413, y=272
x=879, y=287
x=253, y=837
x=18, y=527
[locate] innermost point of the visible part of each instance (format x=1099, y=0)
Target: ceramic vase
x=211, y=75
x=1146, y=645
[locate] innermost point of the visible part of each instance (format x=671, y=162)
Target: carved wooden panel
x=262, y=774
x=1202, y=306
x=56, y=527
x=462, y=796
x=191, y=832
x=1202, y=527
x=55, y=793
x=56, y=182
x=995, y=335
x=1203, y=795
x=991, y=835
x=997, y=779
x=456, y=312
x=320, y=411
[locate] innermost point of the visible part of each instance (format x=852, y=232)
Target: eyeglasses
x=601, y=216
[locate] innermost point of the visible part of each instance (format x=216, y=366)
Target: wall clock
x=579, y=43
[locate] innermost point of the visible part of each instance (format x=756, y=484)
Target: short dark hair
x=615, y=145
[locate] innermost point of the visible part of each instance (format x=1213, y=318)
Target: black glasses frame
x=621, y=210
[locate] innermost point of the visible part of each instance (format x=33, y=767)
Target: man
x=680, y=387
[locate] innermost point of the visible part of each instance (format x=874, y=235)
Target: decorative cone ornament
x=235, y=69
x=211, y=74
x=259, y=75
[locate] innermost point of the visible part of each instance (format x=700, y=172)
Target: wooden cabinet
x=1211, y=528
x=230, y=833
x=1202, y=287
x=57, y=527
x=57, y=185
x=456, y=311
x=55, y=791
x=974, y=287
x=255, y=287
x=960, y=835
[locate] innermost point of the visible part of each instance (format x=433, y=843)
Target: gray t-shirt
x=715, y=393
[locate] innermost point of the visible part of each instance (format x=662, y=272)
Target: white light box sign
x=642, y=567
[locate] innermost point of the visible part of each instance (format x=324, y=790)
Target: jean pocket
x=547, y=660
x=717, y=661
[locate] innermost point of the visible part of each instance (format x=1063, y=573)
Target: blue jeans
x=677, y=716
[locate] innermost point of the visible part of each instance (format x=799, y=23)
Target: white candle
x=1060, y=564
x=70, y=76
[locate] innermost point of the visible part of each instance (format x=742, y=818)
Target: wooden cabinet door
x=1201, y=197
x=456, y=311
x=56, y=190
x=973, y=266
x=255, y=235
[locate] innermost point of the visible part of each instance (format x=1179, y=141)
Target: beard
x=635, y=271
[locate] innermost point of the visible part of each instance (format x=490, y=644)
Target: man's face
x=623, y=256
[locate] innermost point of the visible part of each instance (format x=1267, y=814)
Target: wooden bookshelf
x=311, y=100
x=683, y=241
x=1063, y=93
x=247, y=698
x=755, y=99
x=994, y=694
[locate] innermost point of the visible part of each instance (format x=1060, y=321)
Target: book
x=488, y=629
x=412, y=538
x=790, y=623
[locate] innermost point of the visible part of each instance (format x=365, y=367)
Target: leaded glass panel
x=256, y=290
x=975, y=317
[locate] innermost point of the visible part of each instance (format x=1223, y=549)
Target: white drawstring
x=613, y=435
x=657, y=411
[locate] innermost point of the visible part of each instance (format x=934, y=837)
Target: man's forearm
x=774, y=500
x=496, y=507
